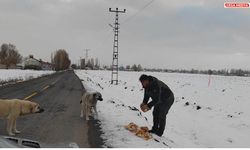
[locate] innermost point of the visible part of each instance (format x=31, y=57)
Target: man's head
x=144, y=79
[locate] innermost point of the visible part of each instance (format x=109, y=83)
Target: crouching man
x=162, y=99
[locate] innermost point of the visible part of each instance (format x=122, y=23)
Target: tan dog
x=11, y=109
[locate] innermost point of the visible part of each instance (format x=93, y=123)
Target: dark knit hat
x=143, y=77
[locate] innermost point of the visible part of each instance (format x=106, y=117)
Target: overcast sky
x=199, y=34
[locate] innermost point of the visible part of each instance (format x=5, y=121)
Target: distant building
x=46, y=65
x=32, y=63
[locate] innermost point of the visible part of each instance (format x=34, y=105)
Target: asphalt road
x=59, y=94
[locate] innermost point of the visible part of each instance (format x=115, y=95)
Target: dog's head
x=93, y=98
x=98, y=96
x=35, y=108
x=29, y=107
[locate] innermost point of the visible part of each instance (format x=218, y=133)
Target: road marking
x=28, y=97
x=53, y=83
x=43, y=89
x=46, y=87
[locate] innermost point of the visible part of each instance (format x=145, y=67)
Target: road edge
x=94, y=128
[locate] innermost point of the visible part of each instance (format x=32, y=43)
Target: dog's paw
x=11, y=134
x=87, y=118
x=17, y=132
x=81, y=116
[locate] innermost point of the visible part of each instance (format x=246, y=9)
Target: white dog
x=88, y=104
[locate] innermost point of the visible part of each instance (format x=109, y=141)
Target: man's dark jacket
x=159, y=92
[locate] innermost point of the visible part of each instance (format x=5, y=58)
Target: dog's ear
x=94, y=94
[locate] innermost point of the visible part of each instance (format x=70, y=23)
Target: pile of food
x=139, y=131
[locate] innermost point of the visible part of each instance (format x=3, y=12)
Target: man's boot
x=152, y=131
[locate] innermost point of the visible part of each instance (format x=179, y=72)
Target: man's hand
x=142, y=104
x=144, y=107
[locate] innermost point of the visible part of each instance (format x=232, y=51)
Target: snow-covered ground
x=7, y=75
x=222, y=121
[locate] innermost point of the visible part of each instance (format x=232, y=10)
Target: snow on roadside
x=202, y=116
x=7, y=75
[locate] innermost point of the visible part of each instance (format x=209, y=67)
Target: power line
x=126, y=20
x=129, y=18
x=107, y=31
x=140, y=10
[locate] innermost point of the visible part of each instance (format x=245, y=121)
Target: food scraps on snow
x=141, y=132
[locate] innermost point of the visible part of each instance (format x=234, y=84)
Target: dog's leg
x=96, y=113
x=14, y=128
x=82, y=112
x=87, y=112
x=10, y=127
x=82, y=107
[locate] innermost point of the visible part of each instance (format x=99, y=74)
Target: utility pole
x=86, y=54
x=83, y=64
x=114, y=75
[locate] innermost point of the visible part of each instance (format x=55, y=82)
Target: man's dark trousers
x=159, y=115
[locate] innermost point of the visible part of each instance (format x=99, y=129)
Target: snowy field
x=12, y=75
x=223, y=119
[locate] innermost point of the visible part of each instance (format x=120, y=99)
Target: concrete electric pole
x=114, y=75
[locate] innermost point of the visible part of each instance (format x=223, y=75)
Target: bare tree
x=128, y=67
x=134, y=67
x=9, y=55
x=139, y=68
x=61, y=60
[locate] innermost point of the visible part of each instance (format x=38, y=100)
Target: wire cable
x=139, y=11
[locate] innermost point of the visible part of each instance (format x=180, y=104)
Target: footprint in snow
x=198, y=107
x=230, y=140
x=187, y=103
x=111, y=101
